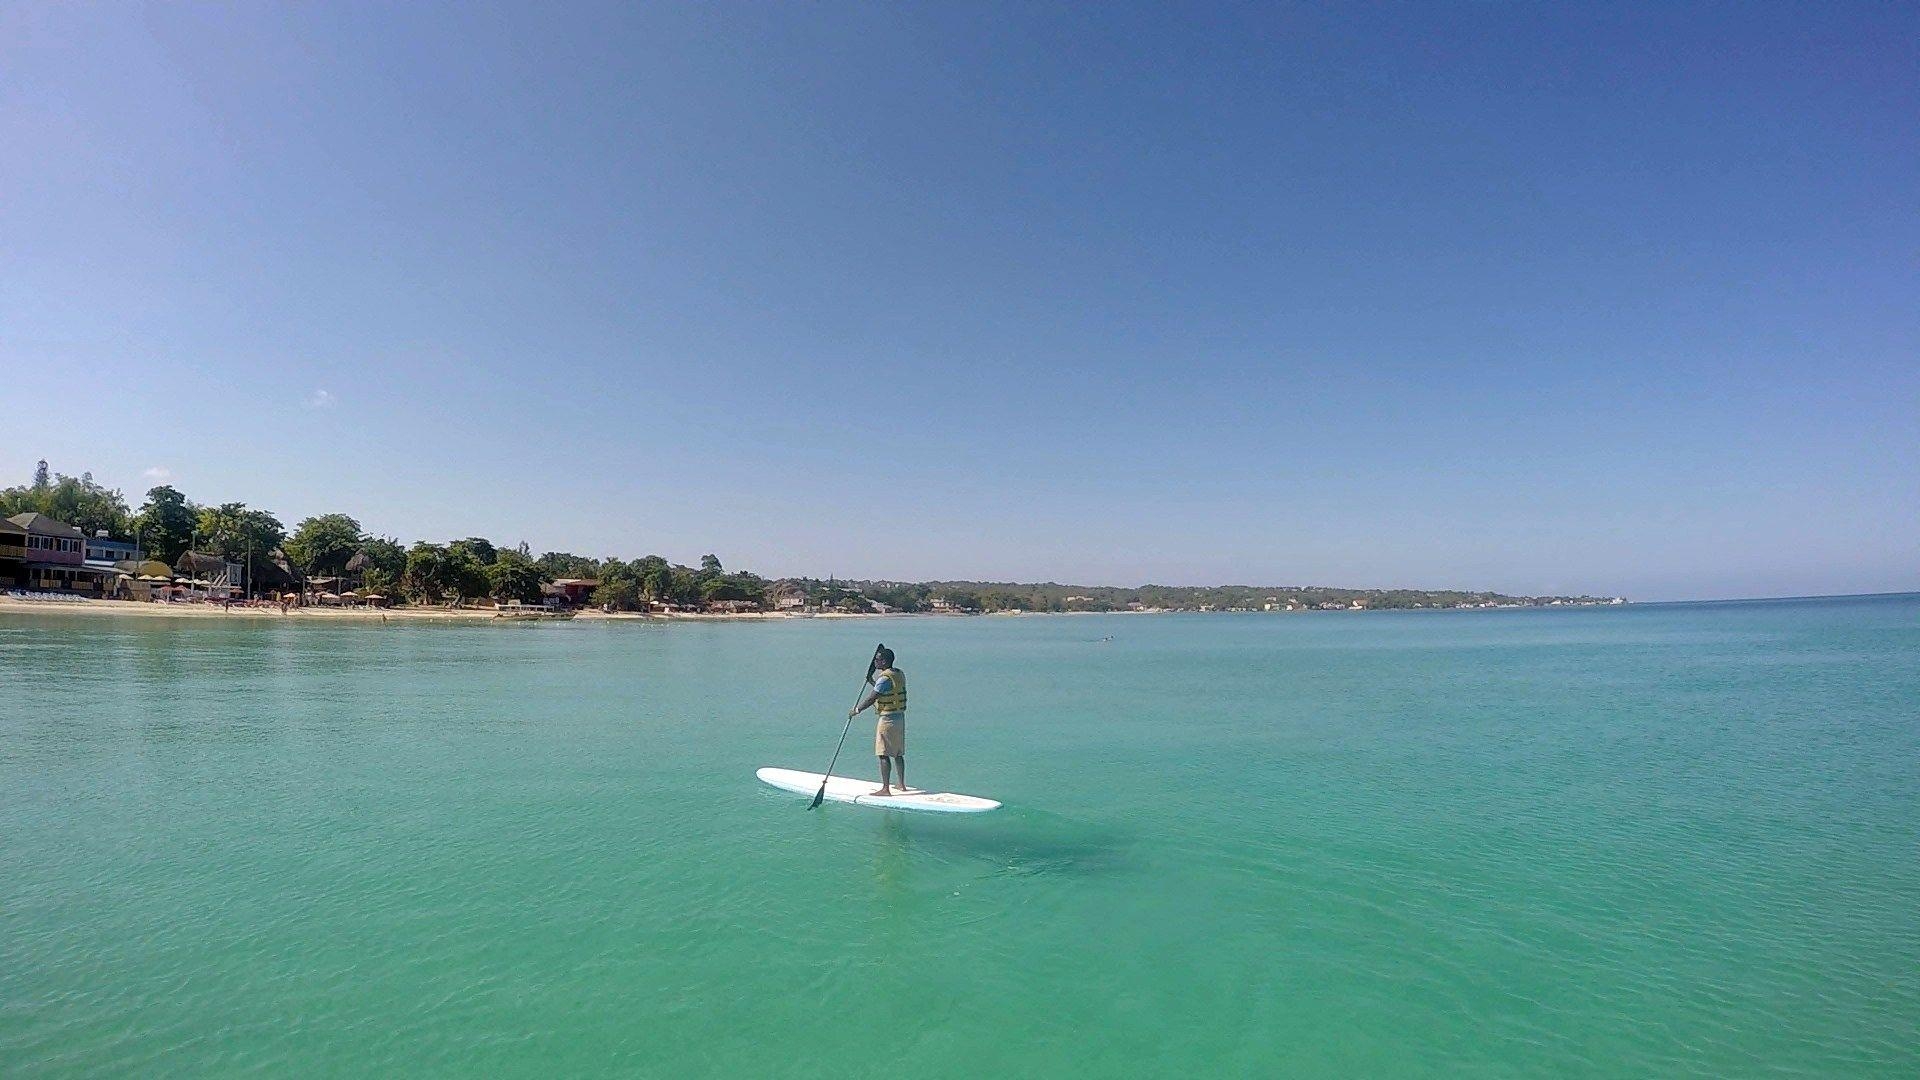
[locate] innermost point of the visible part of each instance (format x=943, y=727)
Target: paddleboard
x=848, y=790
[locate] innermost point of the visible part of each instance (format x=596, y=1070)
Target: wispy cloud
x=157, y=472
x=322, y=399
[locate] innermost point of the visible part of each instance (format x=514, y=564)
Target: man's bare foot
x=882, y=791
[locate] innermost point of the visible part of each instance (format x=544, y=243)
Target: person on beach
x=888, y=695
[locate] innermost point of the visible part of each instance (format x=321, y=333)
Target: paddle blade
x=818, y=795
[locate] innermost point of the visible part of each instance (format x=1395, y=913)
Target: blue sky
x=1584, y=298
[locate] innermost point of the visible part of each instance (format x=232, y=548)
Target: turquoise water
x=1653, y=841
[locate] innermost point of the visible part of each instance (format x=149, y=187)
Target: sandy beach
x=149, y=610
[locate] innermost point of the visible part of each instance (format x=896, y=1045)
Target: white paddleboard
x=848, y=790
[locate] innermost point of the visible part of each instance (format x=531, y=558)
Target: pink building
x=56, y=557
x=13, y=554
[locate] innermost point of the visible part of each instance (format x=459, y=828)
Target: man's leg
x=900, y=766
x=885, y=787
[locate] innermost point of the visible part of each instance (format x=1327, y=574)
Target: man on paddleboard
x=887, y=692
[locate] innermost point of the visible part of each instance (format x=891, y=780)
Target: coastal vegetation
x=335, y=547
x=76, y=500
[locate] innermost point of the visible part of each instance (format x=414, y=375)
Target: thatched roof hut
x=199, y=564
x=275, y=573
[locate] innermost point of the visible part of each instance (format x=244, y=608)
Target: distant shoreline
x=91, y=607
x=88, y=607
x=144, y=609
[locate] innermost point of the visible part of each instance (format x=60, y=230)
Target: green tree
x=384, y=582
x=1001, y=600
x=656, y=577
x=619, y=594
x=77, y=501
x=90, y=507
x=683, y=585
x=165, y=524
x=238, y=534
x=514, y=577
x=902, y=597
x=466, y=578
x=564, y=564
x=425, y=579
x=710, y=567
x=479, y=548
x=619, y=585
x=321, y=546
x=230, y=530
x=385, y=554
x=734, y=587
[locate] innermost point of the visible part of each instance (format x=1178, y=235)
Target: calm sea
x=1645, y=841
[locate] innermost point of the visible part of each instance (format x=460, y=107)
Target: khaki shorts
x=890, y=735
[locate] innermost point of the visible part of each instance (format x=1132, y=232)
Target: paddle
x=871, y=664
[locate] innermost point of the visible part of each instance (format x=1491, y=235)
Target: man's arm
x=872, y=695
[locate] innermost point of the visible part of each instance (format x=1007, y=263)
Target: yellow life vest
x=895, y=700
